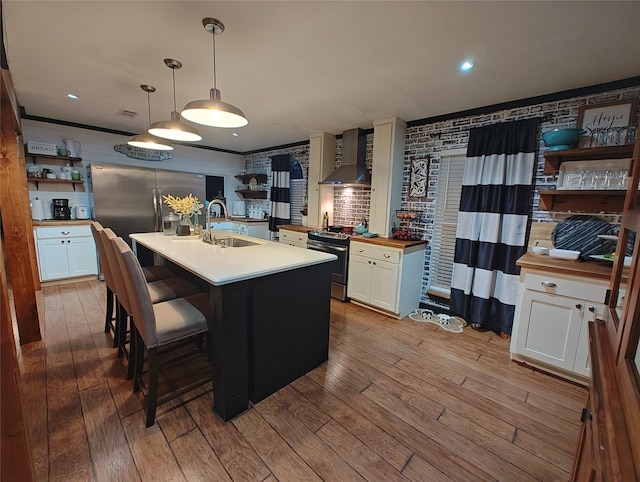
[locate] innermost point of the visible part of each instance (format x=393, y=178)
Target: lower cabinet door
x=81, y=252
x=582, y=364
x=384, y=284
x=359, y=282
x=550, y=326
x=52, y=259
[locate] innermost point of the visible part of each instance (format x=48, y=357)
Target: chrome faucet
x=207, y=237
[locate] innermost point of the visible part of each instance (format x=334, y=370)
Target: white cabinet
x=386, y=174
x=551, y=318
x=322, y=162
x=385, y=278
x=293, y=238
x=257, y=230
x=65, y=252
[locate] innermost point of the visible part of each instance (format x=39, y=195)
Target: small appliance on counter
x=37, y=210
x=60, y=208
x=82, y=212
x=239, y=209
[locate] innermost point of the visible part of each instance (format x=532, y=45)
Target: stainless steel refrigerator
x=129, y=199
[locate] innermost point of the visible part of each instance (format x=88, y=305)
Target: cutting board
x=580, y=233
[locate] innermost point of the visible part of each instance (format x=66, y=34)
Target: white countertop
x=223, y=265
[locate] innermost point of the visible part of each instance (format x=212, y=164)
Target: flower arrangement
x=186, y=206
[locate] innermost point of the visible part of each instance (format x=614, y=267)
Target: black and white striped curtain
x=280, y=196
x=492, y=222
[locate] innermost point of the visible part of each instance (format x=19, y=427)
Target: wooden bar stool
x=158, y=325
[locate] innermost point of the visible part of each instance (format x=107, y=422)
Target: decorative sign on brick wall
x=419, y=174
x=144, y=154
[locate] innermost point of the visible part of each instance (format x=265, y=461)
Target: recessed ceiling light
x=72, y=96
x=235, y=134
x=467, y=65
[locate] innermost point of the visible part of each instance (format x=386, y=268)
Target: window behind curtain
x=445, y=223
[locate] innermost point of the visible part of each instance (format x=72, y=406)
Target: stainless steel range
x=338, y=244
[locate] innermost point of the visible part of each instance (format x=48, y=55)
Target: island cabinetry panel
x=385, y=278
x=293, y=238
x=550, y=323
x=65, y=252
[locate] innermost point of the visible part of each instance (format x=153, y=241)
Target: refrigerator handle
x=154, y=198
x=160, y=213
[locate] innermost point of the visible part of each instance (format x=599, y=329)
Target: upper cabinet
x=602, y=191
x=322, y=162
x=387, y=172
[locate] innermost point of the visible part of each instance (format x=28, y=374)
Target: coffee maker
x=61, y=209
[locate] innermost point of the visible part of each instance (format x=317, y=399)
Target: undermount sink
x=234, y=242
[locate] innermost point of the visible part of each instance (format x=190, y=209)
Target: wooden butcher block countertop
x=380, y=241
x=591, y=269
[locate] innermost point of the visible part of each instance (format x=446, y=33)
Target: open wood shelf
x=553, y=159
x=248, y=194
x=582, y=200
x=56, y=159
x=246, y=178
x=36, y=181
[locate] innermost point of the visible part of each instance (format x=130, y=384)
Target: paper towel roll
x=37, y=210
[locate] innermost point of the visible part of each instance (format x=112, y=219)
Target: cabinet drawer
x=590, y=291
x=381, y=253
x=292, y=237
x=62, y=231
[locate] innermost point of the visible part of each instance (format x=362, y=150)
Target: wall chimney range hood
x=353, y=170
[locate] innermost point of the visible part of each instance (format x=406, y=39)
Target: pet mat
x=449, y=323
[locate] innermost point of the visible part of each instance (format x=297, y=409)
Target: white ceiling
x=299, y=66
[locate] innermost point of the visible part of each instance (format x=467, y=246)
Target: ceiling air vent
x=127, y=113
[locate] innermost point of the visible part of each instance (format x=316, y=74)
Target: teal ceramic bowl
x=558, y=139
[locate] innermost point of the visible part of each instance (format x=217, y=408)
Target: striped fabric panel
x=280, y=195
x=492, y=222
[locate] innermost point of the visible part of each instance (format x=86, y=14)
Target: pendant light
x=147, y=141
x=174, y=129
x=213, y=112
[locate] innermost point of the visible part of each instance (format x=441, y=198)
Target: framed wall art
x=419, y=174
x=604, y=116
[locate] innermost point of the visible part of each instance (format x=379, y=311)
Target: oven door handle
x=325, y=248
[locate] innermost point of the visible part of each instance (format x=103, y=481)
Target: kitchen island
x=270, y=305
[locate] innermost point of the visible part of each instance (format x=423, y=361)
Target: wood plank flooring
x=397, y=401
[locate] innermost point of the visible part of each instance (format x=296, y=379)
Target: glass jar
x=169, y=224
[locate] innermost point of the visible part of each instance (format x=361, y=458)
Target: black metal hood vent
x=353, y=170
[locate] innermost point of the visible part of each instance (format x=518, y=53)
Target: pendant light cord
x=213, y=42
x=173, y=72
x=149, y=105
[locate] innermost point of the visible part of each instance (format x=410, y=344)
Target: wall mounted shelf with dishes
x=585, y=200
x=45, y=159
x=252, y=183
x=36, y=181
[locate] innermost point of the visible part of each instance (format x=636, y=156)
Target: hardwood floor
x=397, y=400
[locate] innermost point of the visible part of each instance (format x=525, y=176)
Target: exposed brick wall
x=430, y=140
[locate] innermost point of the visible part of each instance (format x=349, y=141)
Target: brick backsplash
x=351, y=205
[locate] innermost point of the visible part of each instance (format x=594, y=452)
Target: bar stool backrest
x=143, y=315
x=105, y=267
x=108, y=237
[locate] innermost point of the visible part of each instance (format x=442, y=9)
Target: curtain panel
x=280, y=194
x=492, y=222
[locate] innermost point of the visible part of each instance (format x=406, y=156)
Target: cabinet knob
x=360, y=250
x=579, y=306
x=592, y=309
x=548, y=284
x=66, y=232
x=387, y=256
x=62, y=241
